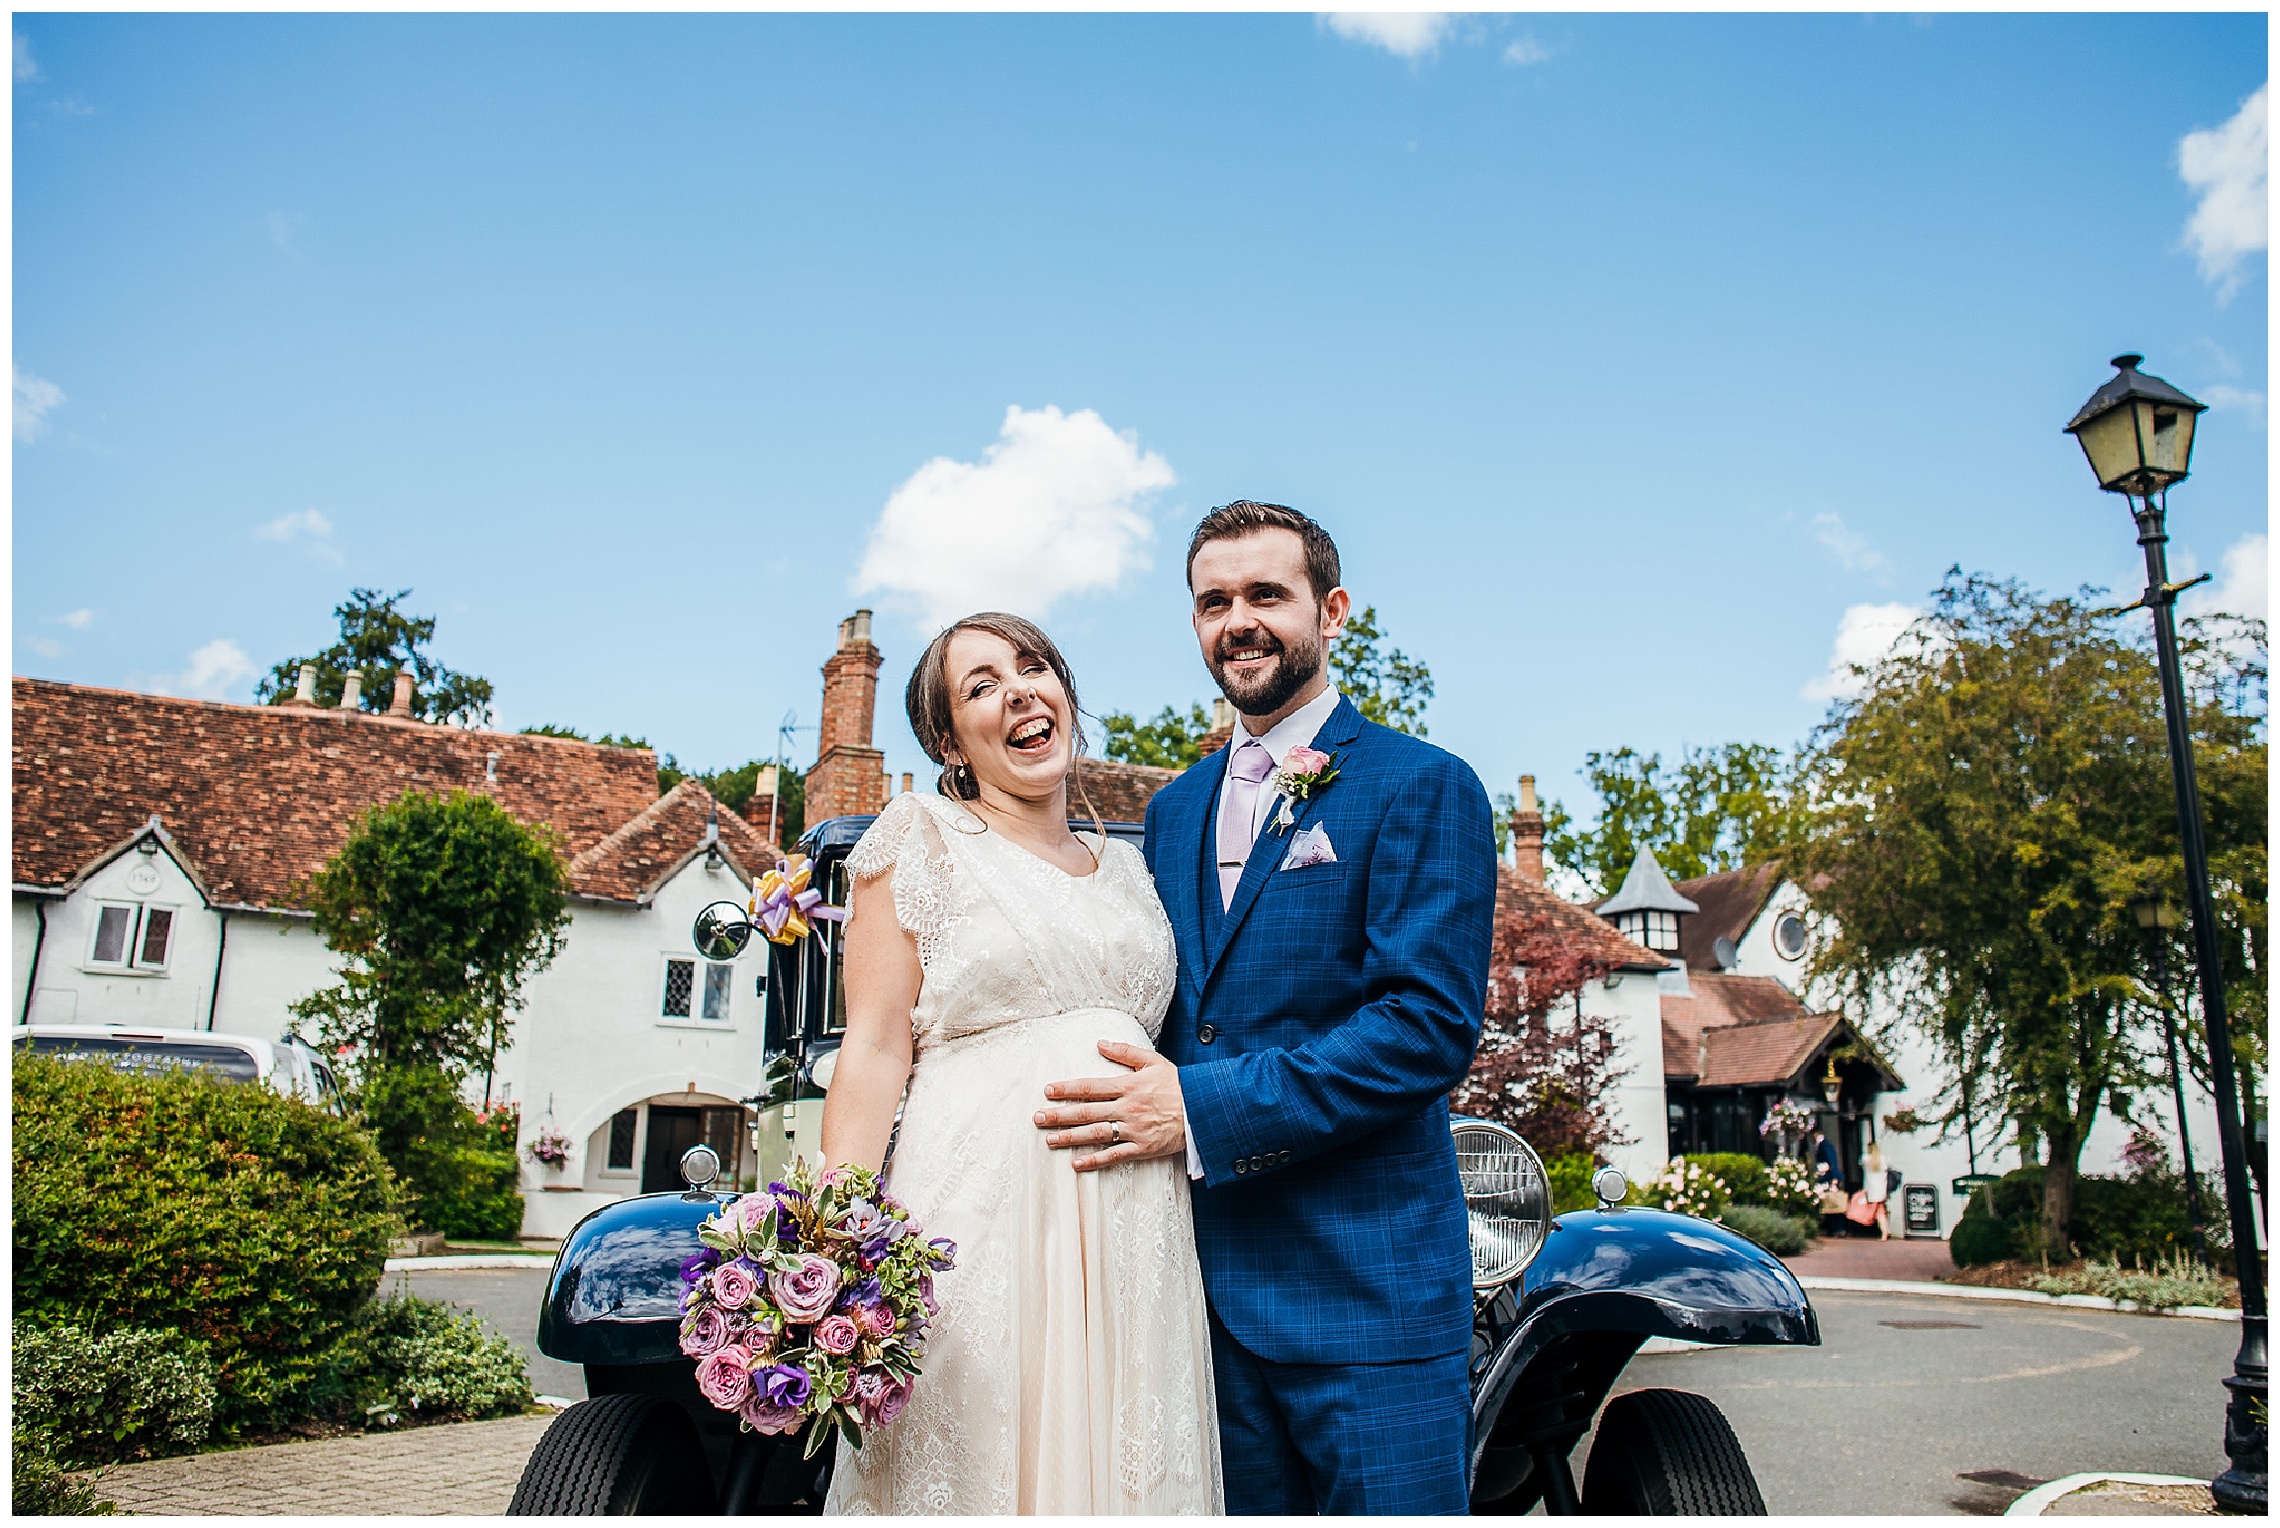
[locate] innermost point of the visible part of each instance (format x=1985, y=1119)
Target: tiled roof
x=1516, y=893
x=1717, y=1000
x=633, y=861
x=1645, y=889
x=1120, y=791
x=256, y=798
x=1766, y=1052
x=1730, y=902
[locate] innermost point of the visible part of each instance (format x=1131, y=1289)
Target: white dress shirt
x=1296, y=730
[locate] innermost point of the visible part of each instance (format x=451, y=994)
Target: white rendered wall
x=1632, y=1001
x=72, y=991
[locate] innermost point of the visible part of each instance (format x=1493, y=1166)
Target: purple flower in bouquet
x=734, y=1284
x=805, y=1293
x=926, y=1294
x=837, y=1335
x=697, y=1293
x=871, y=1228
x=695, y=1265
x=765, y=1418
x=706, y=1332
x=725, y=1376
x=785, y=1385
x=888, y=1400
x=942, y=1252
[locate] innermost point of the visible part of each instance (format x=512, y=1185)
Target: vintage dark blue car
x=1562, y=1303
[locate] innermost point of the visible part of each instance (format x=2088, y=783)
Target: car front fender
x=614, y=1296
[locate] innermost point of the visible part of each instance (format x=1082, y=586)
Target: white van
x=291, y=1067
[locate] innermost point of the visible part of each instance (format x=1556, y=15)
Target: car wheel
x=620, y=1456
x=1665, y=1453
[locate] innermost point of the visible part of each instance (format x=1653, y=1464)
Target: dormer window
x=131, y=936
x=1652, y=927
x=1646, y=908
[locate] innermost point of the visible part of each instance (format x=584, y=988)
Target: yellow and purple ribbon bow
x=782, y=904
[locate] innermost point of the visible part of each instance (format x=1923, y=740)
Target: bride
x=990, y=950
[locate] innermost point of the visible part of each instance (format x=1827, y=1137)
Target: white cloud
x=1865, y=633
x=2247, y=400
x=1404, y=34
x=2243, y=583
x=1052, y=509
x=34, y=400
x=1525, y=50
x=218, y=666
x=309, y=526
x=47, y=647
x=1851, y=549
x=2226, y=166
x=78, y=620
x=26, y=69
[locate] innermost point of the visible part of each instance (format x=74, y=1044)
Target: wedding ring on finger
x=1115, y=1133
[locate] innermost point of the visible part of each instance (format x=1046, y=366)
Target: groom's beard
x=1265, y=693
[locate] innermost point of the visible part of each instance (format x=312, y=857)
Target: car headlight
x=1507, y=1198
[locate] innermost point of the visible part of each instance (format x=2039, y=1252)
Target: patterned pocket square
x=1310, y=846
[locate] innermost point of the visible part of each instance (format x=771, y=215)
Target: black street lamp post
x=2137, y=432
x=2158, y=917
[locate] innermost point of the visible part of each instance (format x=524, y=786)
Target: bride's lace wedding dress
x=1069, y=1370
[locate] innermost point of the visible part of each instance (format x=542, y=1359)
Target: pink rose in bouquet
x=804, y=1291
x=705, y=1332
x=734, y=1284
x=837, y=1335
x=762, y=1417
x=724, y=1376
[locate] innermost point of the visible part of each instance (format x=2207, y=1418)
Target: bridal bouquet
x=809, y=1304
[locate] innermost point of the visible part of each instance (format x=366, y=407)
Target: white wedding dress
x=1069, y=1370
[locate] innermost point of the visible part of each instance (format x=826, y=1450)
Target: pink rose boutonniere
x=1302, y=772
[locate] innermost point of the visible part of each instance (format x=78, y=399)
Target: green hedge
x=1744, y=1175
x=1782, y=1235
x=39, y=1485
x=2138, y=1219
x=457, y=1167
x=246, y=1221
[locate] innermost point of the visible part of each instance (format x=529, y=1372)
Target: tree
x=1723, y=808
x=1549, y=1082
x=1391, y=687
x=1986, y=809
x=382, y=641
x=442, y=907
x=1170, y=741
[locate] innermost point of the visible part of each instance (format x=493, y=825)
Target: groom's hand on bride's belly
x=1128, y=1118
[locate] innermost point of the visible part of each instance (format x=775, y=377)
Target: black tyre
x=1665, y=1453
x=617, y=1455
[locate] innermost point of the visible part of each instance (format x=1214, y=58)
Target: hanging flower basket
x=550, y=1149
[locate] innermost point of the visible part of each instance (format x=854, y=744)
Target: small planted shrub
x=1686, y=1188
x=1743, y=1175
x=251, y=1223
x=1979, y=1237
x=1782, y=1235
x=42, y=1487
x=1789, y=1188
x=2169, y=1283
x=125, y=1394
x=411, y=1358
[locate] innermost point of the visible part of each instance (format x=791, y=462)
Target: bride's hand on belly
x=1128, y=1118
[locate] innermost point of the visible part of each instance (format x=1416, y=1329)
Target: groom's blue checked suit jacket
x=1319, y=1023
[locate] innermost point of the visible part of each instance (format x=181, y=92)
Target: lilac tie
x=1238, y=808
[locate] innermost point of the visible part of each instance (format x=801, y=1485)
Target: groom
x=1332, y=967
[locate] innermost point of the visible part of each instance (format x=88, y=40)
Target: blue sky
x=1634, y=361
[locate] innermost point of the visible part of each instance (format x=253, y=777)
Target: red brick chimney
x=1222, y=728
x=849, y=776
x=1528, y=833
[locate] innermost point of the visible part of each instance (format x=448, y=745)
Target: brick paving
x=462, y=1468
x=1864, y=1257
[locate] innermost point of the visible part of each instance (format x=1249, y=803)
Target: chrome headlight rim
x=1514, y=1206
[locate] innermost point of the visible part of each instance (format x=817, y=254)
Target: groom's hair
x=1241, y=518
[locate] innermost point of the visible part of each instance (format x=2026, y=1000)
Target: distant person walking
x=1878, y=1187
x=1828, y=1177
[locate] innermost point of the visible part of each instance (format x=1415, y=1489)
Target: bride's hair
x=927, y=698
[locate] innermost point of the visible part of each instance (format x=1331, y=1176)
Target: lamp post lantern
x=2137, y=432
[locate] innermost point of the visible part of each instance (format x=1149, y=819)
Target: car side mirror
x=721, y=931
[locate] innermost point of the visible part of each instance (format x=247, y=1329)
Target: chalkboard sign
x=1922, y=1207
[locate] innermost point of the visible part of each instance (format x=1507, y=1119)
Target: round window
x=1790, y=937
